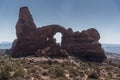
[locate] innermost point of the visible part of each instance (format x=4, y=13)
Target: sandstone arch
x=46, y=34
x=51, y=30
x=31, y=39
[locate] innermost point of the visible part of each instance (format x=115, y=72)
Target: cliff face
x=31, y=39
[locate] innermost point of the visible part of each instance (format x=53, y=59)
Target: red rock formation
x=32, y=40
x=25, y=25
x=85, y=45
x=25, y=31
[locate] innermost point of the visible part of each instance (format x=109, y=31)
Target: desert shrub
x=44, y=65
x=45, y=73
x=49, y=62
x=22, y=61
x=82, y=73
x=108, y=68
x=5, y=72
x=8, y=67
x=65, y=64
x=59, y=72
x=84, y=65
x=73, y=71
x=4, y=75
x=93, y=75
x=56, y=72
x=18, y=73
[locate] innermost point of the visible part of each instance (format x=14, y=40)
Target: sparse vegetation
x=4, y=75
x=41, y=68
x=18, y=73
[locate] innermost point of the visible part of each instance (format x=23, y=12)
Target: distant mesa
x=40, y=42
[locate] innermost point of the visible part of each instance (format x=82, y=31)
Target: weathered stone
x=94, y=34
x=25, y=29
x=25, y=25
x=52, y=51
x=85, y=45
x=40, y=42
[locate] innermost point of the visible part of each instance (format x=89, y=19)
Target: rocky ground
x=45, y=68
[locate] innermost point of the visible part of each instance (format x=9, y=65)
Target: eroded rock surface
x=32, y=40
x=85, y=45
x=53, y=51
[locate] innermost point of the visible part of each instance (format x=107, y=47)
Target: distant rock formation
x=32, y=40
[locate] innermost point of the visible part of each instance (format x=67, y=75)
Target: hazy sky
x=104, y=15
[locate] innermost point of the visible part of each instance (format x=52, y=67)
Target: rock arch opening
x=58, y=38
